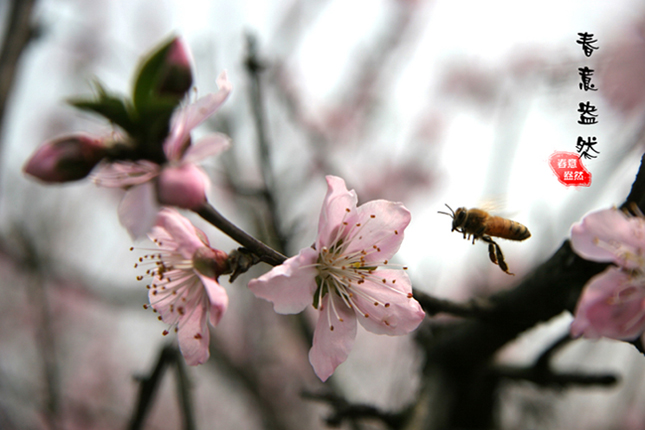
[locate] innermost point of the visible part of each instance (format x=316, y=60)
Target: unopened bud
x=65, y=159
x=211, y=262
x=183, y=186
x=175, y=75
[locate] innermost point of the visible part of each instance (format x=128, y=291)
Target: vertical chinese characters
x=588, y=112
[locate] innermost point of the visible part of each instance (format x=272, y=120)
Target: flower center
x=345, y=274
x=174, y=290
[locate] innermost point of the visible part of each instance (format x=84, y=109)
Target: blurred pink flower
x=184, y=290
x=340, y=275
x=613, y=303
x=622, y=77
x=179, y=182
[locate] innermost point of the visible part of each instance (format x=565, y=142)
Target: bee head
x=458, y=218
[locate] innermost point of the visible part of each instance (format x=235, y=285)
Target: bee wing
x=494, y=204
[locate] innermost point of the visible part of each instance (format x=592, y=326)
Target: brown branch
x=263, y=251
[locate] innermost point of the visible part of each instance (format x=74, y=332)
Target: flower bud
x=175, y=74
x=65, y=159
x=183, y=186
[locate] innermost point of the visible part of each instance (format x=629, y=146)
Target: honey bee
x=479, y=224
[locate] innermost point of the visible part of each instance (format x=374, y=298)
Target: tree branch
x=263, y=251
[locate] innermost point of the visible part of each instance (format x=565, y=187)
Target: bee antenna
x=451, y=215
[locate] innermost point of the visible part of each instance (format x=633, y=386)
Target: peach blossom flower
x=179, y=182
x=184, y=288
x=340, y=275
x=613, y=302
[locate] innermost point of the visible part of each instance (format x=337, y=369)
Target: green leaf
x=115, y=109
x=149, y=74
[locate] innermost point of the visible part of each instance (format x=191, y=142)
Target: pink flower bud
x=183, y=186
x=65, y=159
x=176, y=74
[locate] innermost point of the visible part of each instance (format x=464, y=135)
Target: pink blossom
x=340, y=275
x=184, y=290
x=612, y=303
x=179, y=182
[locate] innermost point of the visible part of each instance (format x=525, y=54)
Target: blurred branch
x=432, y=306
x=548, y=378
x=543, y=375
x=19, y=33
x=168, y=356
x=45, y=338
x=243, y=373
x=255, y=66
x=345, y=411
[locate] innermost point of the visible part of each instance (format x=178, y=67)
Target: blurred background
x=419, y=101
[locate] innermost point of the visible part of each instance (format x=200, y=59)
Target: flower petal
x=217, y=297
x=206, y=147
x=612, y=305
x=333, y=338
x=180, y=234
x=334, y=210
x=389, y=304
x=184, y=186
x=190, y=116
x=381, y=232
x=122, y=174
x=289, y=286
x=612, y=227
x=138, y=209
x=193, y=334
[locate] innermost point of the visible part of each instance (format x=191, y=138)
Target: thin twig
x=254, y=67
x=265, y=252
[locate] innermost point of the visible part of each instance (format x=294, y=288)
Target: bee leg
x=495, y=254
x=491, y=253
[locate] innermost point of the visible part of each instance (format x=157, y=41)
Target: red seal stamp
x=569, y=169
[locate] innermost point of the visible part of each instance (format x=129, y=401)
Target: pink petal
x=334, y=210
x=138, y=209
x=332, y=346
x=402, y=314
x=382, y=225
x=123, y=174
x=181, y=234
x=612, y=305
x=206, y=147
x=183, y=186
x=217, y=297
x=610, y=226
x=190, y=116
x=193, y=334
x=291, y=285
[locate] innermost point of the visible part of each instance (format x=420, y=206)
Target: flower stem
x=263, y=251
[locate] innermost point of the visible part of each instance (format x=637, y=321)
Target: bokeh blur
x=426, y=102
